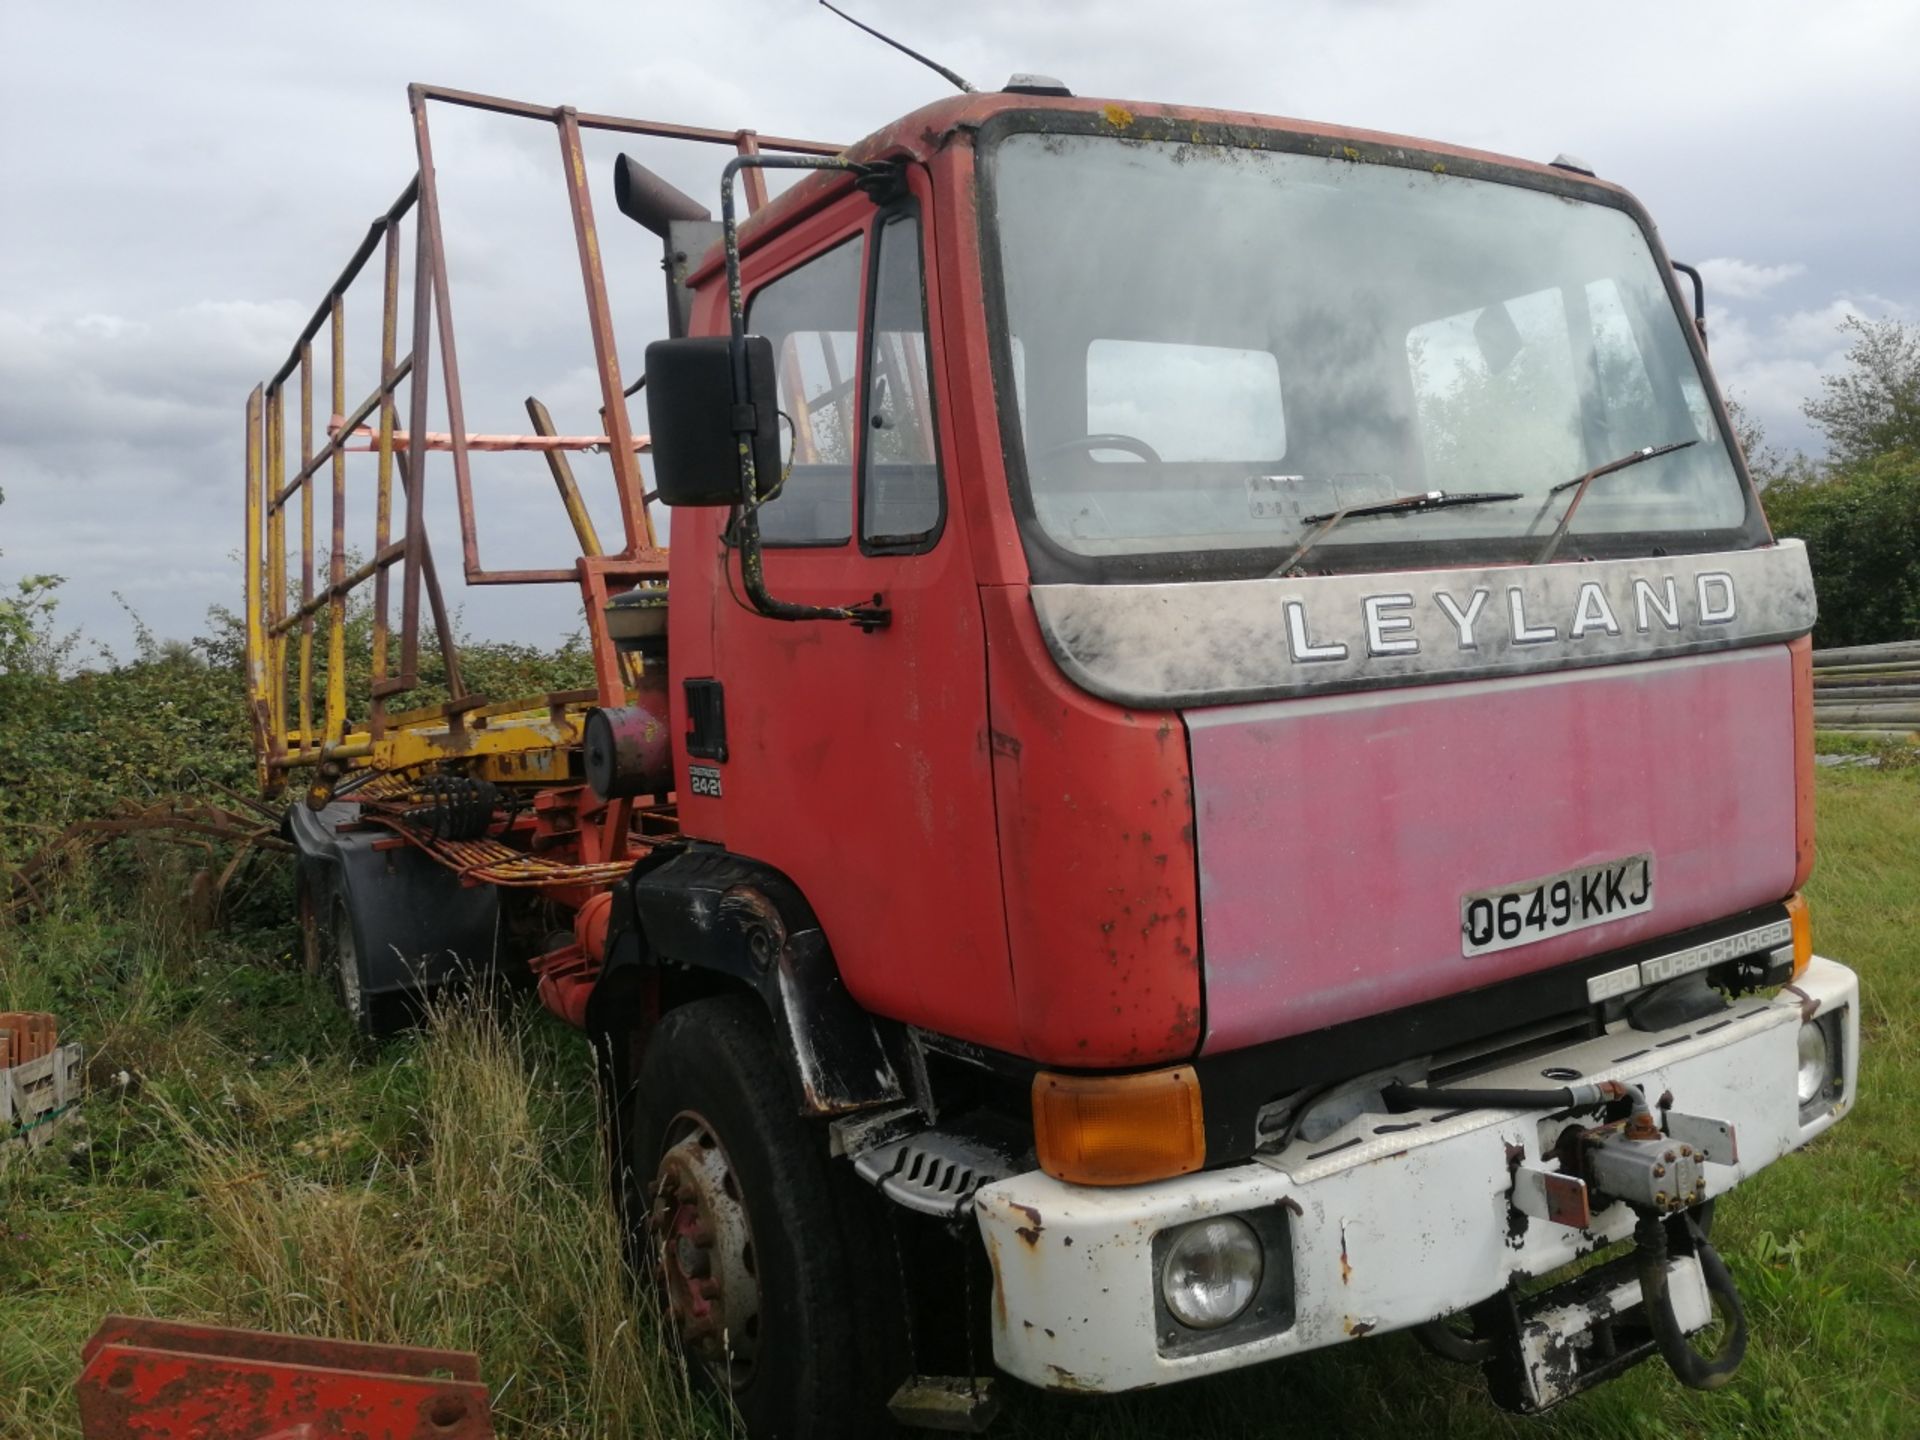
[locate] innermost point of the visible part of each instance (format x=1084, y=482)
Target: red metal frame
x=201, y=1382
x=373, y=426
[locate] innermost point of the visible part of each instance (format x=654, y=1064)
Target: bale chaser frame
x=407, y=769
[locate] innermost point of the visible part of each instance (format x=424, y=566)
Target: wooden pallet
x=40, y=1083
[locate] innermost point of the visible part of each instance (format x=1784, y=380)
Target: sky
x=179, y=184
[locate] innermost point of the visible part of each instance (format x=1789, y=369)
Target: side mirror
x=695, y=426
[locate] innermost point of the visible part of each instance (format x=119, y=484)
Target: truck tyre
x=766, y=1258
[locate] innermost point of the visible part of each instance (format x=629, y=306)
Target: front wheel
x=767, y=1263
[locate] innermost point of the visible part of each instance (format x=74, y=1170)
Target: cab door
x=857, y=762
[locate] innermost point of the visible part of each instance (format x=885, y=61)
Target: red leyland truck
x=1220, y=762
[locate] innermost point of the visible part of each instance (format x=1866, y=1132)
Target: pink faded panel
x=1336, y=836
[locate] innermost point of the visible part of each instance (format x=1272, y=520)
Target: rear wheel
x=765, y=1255
x=338, y=959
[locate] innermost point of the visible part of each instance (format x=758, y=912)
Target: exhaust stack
x=685, y=227
x=646, y=199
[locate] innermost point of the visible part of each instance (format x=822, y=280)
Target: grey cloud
x=178, y=186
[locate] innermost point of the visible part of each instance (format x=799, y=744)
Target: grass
x=259, y=1166
x=266, y=1169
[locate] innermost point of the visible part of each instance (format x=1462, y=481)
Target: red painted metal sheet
x=1338, y=836
x=150, y=1378
x=858, y=762
x=1096, y=844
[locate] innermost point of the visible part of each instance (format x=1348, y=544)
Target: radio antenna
x=933, y=65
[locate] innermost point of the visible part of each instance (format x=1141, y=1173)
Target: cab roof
x=921, y=134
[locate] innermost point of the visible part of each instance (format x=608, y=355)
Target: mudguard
x=703, y=907
x=415, y=925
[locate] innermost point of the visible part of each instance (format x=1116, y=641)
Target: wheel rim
x=346, y=959
x=703, y=1250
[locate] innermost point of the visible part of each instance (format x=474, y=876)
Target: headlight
x=1813, y=1062
x=1212, y=1272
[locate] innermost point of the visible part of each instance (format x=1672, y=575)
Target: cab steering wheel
x=1128, y=443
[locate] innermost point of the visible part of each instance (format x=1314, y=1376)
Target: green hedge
x=1862, y=528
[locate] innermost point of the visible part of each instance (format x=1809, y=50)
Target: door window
x=900, y=481
x=811, y=315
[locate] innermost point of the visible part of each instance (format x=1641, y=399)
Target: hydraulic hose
x=1693, y=1369
x=1563, y=1097
x=1441, y=1339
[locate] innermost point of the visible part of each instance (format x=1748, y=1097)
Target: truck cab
x=1317, y=689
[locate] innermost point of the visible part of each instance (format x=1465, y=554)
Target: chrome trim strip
x=1219, y=641
x=1684, y=962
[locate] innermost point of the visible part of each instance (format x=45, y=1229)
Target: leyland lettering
x=1255, y=639
x=1389, y=626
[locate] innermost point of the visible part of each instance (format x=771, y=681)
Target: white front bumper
x=1393, y=1220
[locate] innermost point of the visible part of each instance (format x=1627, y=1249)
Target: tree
x=1873, y=406
x=1764, y=463
x=1862, y=528
x=28, y=644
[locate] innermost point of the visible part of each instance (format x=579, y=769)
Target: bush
x=1862, y=528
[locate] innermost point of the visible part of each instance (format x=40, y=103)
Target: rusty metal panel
x=280, y=630
x=198, y=1382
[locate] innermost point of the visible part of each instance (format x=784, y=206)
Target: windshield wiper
x=1404, y=505
x=1579, y=485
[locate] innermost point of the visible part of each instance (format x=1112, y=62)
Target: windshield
x=1209, y=344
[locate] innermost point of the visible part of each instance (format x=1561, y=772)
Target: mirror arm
x=1699, y=299
x=877, y=180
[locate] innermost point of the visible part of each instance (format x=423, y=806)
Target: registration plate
x=1572, y=900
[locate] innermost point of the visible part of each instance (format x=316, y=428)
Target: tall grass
x=480, y=1239
x=253, y=1164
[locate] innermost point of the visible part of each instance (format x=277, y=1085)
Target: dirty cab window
x=1223, y=341
x=811, y=315
x=1187, y=402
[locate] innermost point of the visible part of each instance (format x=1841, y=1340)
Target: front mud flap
x=1580, y=1333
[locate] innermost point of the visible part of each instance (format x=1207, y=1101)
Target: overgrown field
x=259, y=1166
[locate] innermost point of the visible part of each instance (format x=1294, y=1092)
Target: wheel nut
x=1659, y=1170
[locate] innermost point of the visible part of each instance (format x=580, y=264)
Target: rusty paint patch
x=1061, y=1378
x=1809, y=1007
x=1346, y=1266
x=1357, y=1328
x=1293, y=1205
x=1029, y=1233
x=999, y=1290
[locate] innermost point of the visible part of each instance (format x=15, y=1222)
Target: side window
x=811, y=316
x=900, y=474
